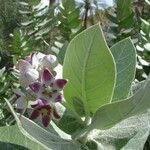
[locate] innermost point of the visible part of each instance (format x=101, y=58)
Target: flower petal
x=61, y=83
x=45, y=120
x=55, y=114
x=17, y=92
x=49, y=61
x=34, y=114
x=23, y=66
x=32, y=75
x=40, y=55
x=59, y=98
x=14, y=70
x=21, y=103
x=28, y=58
x=42, y=102
x=34, y=60
x=47, y=75
x=35, y=86
x=23, y=80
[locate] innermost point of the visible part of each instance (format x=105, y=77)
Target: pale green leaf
x=90, y=69
x=12, y=139
x=147, y=46
x=110, y=114
x=125, y=59
x=130, y=134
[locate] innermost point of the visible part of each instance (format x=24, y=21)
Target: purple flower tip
x=17, y=95
x=47, y=75
x=34, y=114
x=35, y=87
x=45, y=120
x=59, y=98
x=55, y=114
x=42, y=103
x=61, y=83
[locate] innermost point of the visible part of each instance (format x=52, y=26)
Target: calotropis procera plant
x=102, y=110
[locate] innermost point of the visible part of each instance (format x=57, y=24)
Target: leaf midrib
x=83, y=86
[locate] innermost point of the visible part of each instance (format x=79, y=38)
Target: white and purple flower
x=49, y=61
x=29, y=69
x=37, y=76
x=49, y=88
x=45, y=110
x=27, y=73
x=41, y=61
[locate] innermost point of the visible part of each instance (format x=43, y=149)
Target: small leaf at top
x=125, y=59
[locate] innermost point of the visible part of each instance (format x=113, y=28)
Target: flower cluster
x=37, y=76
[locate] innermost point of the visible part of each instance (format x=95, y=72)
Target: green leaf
x=68, y=5
x=48, y=140
x=111, y=17
x=34, y=3
x=16, y=45
x=125, y=59
x=62, y=52
x=127, y=22
x=79, y=107
x=130, y=134
x=90, y=69
x=12, y=138
x=68, y=123
x=123, y=9
x=110, y=114
x=73, y=18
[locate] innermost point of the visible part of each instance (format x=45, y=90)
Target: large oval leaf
x=90, y=68
x=125, y=59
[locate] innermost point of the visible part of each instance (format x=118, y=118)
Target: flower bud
x=31, y=75
x=49, y=61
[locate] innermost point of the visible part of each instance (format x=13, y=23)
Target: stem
x=87, y=4
x=87, y=119
x=82, y=135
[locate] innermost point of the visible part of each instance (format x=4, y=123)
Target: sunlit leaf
x=90, y=69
